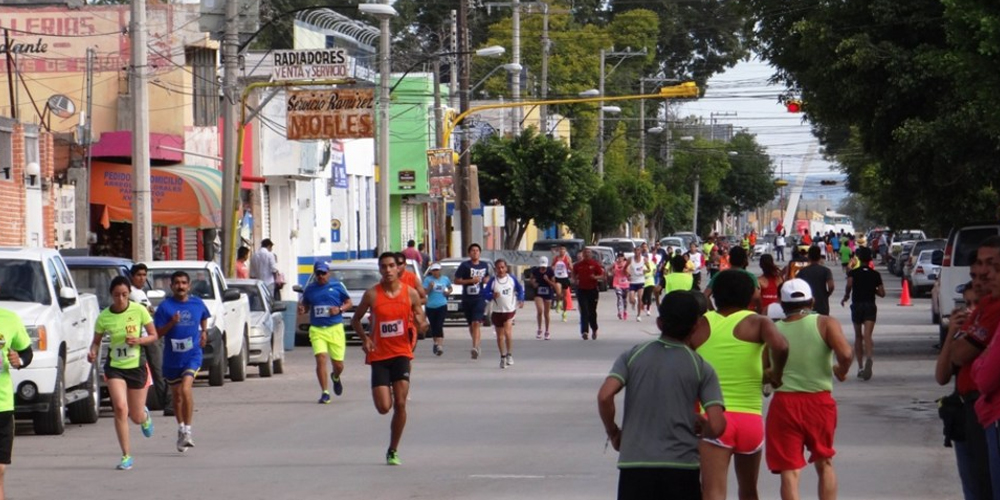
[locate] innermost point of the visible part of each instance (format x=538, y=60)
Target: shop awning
x=182, y=195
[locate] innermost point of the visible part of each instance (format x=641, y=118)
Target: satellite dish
x=61, y=106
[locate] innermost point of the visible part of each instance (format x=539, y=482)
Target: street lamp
x=491, y=51
x=509, y=67
x=384, y=12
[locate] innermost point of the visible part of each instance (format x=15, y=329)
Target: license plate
x=452, y=306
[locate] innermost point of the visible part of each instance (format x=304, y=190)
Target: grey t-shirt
x=663, y=381
x=817, y=276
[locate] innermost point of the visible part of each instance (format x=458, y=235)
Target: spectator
x=425, y=258
x=264, y=266
x=242, y=257
x=412, y=253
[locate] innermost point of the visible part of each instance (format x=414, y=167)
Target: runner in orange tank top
x=413, y=281
x=389, y=344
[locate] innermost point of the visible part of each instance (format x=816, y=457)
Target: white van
x=959, y=254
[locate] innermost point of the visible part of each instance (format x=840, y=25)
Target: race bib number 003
x=391, y=329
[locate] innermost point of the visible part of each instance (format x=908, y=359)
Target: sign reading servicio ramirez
x=331, y=114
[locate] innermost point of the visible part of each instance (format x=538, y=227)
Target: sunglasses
x=321, y=273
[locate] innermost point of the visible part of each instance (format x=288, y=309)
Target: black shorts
x=647, y=296
x=135, y=378
x=6, y=436
x=655, y=483
x=390, y=370
x=474, y=310
x=863, y=311
x=565, y=283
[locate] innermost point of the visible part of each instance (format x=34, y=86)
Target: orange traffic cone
x=904, y=299
x=569, y=299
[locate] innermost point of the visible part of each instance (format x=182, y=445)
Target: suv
x=573, y=246
x=959, y=254
x=688, y=238
x=911, y=262
x=626, y=246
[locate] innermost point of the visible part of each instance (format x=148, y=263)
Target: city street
x=475, y=431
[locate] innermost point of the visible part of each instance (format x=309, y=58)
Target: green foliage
x=607, y=209
x=535, y=178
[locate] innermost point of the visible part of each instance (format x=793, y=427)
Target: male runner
x=153, y=351
x=389, y=345
x=326, y=299
x=585, y=273
x=732, y=340
x=182, y=320
x=472, y=274
x=15, y=353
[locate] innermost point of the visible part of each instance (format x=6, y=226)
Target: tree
x=535, y=178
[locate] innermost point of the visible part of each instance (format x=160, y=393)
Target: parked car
x=895, y=246
x=267, y=326
x=688, y=238
x=623, y=245
x=672, y=243
x=573, y=246
x=924, y=272
x=448, y=268
x=902, y=258
x=959, y=253
x=60, y=382
x=606, y=256
x=918, y=247
x=229, y=320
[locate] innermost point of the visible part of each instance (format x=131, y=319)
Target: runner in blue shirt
x=183, y=321
x=438, y=289
x=326, y=299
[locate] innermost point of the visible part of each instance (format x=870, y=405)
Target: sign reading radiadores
x=331, y=114
x=314, y=64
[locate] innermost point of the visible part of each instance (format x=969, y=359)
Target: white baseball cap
x=435, y=267
x=796, y=290
x=775, y=312
x=543, y=261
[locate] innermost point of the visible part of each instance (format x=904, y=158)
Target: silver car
x=924, y=272
x=267, y=326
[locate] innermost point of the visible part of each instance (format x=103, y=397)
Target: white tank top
x=559, y=268
x=637, y=271
x=504, y=298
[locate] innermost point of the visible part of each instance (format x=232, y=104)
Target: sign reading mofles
x=331, y=114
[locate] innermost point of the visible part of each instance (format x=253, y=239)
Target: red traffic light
x=793, y=106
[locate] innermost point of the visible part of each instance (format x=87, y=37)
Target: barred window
x=206, y=86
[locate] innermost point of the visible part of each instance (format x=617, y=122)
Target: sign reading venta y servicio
x=330, y=114
x=310, y=64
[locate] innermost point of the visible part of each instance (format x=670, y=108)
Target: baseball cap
x=435, y=267
x=796, y=290
x=321, y=267
x=775, y=312
x=543, y=262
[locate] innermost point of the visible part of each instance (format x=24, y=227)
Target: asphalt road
x=474, y=431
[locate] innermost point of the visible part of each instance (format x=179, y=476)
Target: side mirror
x=67, y=297
x=230, y=295
x=297, y=288
x=278, y=306
x=937, y=257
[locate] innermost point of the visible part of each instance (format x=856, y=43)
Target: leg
x=187, y=396
x=539, y=310
x=137, y=405
x=592, y=297
x=869, y=342
x=321, y=373
x=714, y=470
x=338, y=368
x=499, y=328
x=993, y=449
x=382, y=398
x=859, y=345
x=154, y=358
x=583, y=306
x=474, y=329
x=119, y=403
x=508, y=334
x=790, y=484
x=3, y=471
x=548, y=312
x=827, y=479
x=747, y=468
x=400, y=389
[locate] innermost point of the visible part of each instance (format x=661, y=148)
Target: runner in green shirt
x=129, y=326
x=15, y=346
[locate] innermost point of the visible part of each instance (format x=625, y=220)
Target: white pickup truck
x=228, y=326
x=60, y=382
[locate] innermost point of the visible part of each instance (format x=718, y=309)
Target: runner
x=769, y=282
x=410, y=279
x=182, y=320
x=863, y=284
x=472, y=274
x=677, y=279
x=17, y=353
x=649, y=285
x=663, y=381
x=389, y=345
x=732, y=340
x=803, y=413
x=697, y=262
x=154, y=350
x=585, y=273
x=737, y=262
x=438, y=289
x=543, y=280
x=636, y=281
x=620, y=284
x=820, y=278
x=326, y=299
x=129, y=327
x=562, y=266
x=507, y=296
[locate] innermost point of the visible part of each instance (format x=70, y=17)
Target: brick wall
x=46, y=158
x=12, y=211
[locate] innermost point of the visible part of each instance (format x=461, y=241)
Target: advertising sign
x=330, y=114
x=310, y=64
x=441, y=172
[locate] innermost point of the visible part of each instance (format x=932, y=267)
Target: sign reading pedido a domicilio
x=330, y=114
x=310, y=64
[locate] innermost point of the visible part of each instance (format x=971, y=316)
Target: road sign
x=310, y=64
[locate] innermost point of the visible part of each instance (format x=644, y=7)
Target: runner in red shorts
x=803, y=413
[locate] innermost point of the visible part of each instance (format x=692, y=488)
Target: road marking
x=527, y=476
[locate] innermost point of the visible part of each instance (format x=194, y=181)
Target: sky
x=788, y=139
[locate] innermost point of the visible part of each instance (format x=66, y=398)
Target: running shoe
x=583, y=335
x=474, y=353
x=638, y=317
x=188, y=440
x=538, y=335
x=625, y=316
x=147, y=425
x=593, y=335
x=324, y=398
x=503, y=362
x=647, y=312
x=338, y=388
x=125, y=464
x=861, y=373
x=867, y=373
x=392, y=458
x=546, y=335
x=440, y=350
x=564, y=316
x=619, y=315
x=181, y=447
x=510, y=359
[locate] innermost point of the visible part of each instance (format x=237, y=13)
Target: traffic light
x=828, y=182
x=793, y=105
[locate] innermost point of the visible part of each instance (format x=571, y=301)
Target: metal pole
x=642, y=126
x=453, y=66
x=464, y=203
x=438, y=112
x=384, y=228
x=231, y=122
x=697, y=185
x=543, y=110
x=142, y=226
x=10, y=73
x=600, y=124
x=515, y=88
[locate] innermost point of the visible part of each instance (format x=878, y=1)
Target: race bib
x=122, y=354
x=391, y=329
x=472, y=289
x=182, y=345
x=321, y=311
x=543, y=290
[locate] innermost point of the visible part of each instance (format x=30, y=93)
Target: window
x=206, y=86
x=6, y=156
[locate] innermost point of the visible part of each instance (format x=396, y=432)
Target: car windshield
x=95, y=280
x=356, y=279
x=256, y=300
x=23, y=281
x=625, y=246
x=200, y=281
x=909, y=235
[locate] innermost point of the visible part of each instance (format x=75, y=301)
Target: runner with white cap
x=543, y=280
x=438, y=289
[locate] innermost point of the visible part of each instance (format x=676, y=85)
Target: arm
x=519, y=290
x=418, y=312
x=880, y=290
x=833, y=335
x=421, y=292
x=606, y=408
x=147, y=339
x=162, y=331
x=944, y=368
x=847, y=291
x=487, y=291
x=360, y=312
x=713, y=423
x=204, y=332
x=986, y=370
x=830, y=285
x=778, y=346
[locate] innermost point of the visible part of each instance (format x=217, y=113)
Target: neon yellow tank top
x=737, y=363
x=810, y=369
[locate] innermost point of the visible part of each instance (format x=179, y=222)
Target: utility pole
x=543, y=110
x=453, y=66
x=697, y=186
x=515, y=86
x=231, y=122
x=600, y=111
x=382, y=194
x=142, y=224
x=465, y=163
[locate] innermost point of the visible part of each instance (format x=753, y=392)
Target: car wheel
x=53, y=421
x=265, y=367
x=279, y=366
x=238, y=364
x=86, y=410
x=217, y=372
